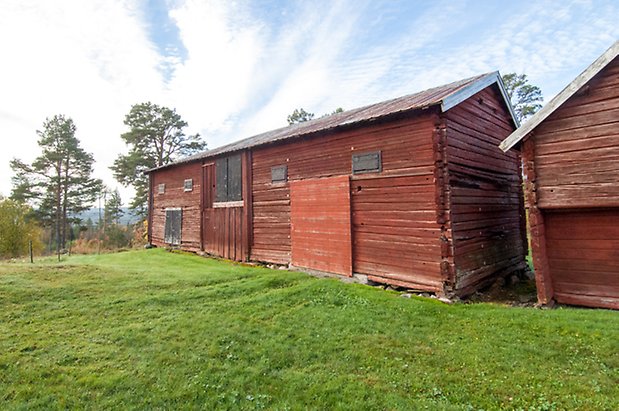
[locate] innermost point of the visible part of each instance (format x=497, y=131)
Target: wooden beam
x=543, y=280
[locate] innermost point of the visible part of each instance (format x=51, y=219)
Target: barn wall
x=573, y=193
x=175, y=196
x=485, y=192
x=396, y=237
x=577, y=147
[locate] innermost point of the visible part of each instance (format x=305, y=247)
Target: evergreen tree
x=59, y=182
x=299, y=116
x=525, y=98
x=113, y=208
x=155, y=138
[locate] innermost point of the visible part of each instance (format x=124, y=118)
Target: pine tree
x=299, y=115
x=113, y=208
x=59, y=182
x=526, y=98
x=155, y=138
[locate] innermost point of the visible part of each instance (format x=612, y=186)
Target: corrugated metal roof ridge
x=425, y=98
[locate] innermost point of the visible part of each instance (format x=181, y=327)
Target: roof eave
x=582, y=79
x=475, y=87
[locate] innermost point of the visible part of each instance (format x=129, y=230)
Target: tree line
x=51, y=192
x=58, y=185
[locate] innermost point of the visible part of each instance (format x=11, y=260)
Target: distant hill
x=127, y=218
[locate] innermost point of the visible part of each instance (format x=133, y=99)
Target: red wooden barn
x=412, y=192
x=570, y=152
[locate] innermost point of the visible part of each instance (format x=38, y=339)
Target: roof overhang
x=561, y=98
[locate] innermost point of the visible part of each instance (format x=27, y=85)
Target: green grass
x=158, y=330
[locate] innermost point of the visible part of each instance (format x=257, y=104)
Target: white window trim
x=185, y=184
x=224, y=204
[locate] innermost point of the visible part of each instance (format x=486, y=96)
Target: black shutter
x=366, y=163
x=234, y=178
x=221, y=185
x=279, y=174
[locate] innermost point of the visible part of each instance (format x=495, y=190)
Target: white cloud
x=88, y=60
x=246, y=69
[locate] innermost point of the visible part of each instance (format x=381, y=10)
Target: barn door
x=173, y=226
x=320, y=220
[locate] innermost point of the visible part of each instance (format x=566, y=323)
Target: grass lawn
x=152, y=329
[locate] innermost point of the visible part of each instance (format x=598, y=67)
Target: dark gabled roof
x=447, y=96
x=571, y=89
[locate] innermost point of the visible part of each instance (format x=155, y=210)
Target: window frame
x=187, y=188
x=161, y=188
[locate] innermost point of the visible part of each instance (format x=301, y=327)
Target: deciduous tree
x=17, y=228
x=155, y=138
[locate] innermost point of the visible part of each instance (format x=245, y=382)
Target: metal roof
x=447, y=96
x=584, y=77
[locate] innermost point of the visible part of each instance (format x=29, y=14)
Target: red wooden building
x=411, y=192
x=570, y=152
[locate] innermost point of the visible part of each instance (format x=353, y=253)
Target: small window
x=173, y=222
x=279, y=174
x=161, y=188
x=188, y=185
x=228, y=179
x=366, y=163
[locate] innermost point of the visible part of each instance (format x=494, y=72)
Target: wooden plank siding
x=320, y=224
x=485, y=192
x=175, y=196
x=572, y=161
x=577, y=147
x=396, y=237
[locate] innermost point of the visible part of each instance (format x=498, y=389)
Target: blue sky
x=236, y=68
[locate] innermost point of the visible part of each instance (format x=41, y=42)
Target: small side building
x=570, y=151
x=411, y=192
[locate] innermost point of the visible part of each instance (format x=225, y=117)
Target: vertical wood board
x=320, y=220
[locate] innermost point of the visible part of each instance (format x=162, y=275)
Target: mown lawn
x=157, y=330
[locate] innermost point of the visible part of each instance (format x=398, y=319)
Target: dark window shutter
x=234, y=178
x=221, y=185
x=366, y=163
x=279, y=174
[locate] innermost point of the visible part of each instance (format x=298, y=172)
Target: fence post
x=30, y=249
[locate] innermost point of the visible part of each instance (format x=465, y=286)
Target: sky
x=233, y=69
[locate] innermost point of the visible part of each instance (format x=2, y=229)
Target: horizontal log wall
x=577, y=147
x=396, y=238
x=176, y=196
x=384, y=210
x=485, y=192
